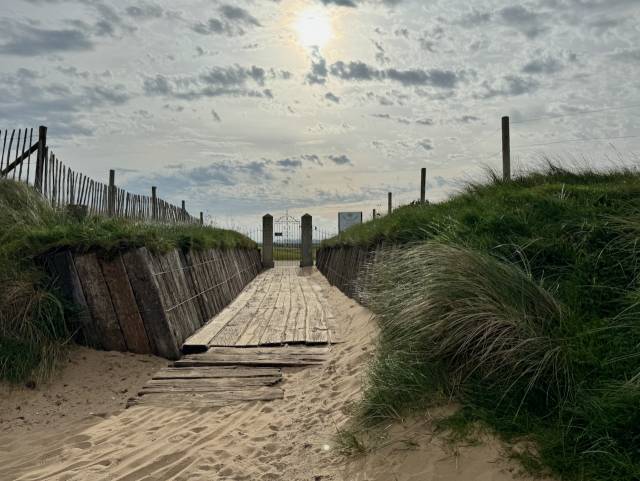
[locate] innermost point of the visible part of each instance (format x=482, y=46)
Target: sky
x=253, y=106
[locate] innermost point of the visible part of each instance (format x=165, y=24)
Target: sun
x=313, y=27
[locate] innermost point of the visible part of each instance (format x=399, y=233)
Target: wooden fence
x=32, y=162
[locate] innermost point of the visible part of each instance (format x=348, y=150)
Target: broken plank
x=215, y=372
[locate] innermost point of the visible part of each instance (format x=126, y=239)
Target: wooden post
x=41, y=157
x=154, y=203
x=267, y=241
x=306, y=253
x=423, y=184
x=506, y=149
x=111, y=194
x=390, y=207
x=184, y=211
x=374, y=214
x=201, y=219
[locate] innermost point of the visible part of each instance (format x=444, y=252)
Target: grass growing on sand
x=520, y=300
x=33, y=328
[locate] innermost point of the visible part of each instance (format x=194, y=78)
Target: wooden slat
x=216, y=372
x=207, y=400
x=99, y=302
x=208, y=385
x=124, y=303
x=146, y=291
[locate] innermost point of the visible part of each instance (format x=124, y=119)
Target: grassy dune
x=33, y=327
x=520, y=301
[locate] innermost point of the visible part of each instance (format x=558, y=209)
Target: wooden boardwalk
x=280, y=306
x=279, y=320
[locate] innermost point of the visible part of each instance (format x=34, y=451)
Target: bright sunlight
x=313, y=26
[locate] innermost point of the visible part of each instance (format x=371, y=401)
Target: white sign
x=348, y=219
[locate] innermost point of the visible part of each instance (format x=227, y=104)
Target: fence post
x=267, y=241
x=306, y=253
x=506, y=149
x=41, y=157
x=423, y=185
x=111, y=194
x=154, y=203
x=374, y=214
x=201, y=219
x=184, y=211
x=390, y=207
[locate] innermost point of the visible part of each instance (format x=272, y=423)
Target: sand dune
x=288, y=439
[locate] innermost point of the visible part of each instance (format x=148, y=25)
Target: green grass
x=33, y=316
x=520, y=301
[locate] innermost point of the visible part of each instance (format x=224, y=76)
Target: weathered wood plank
x=207, y=400
x=216, y=372
x=201, y=339
x=124, y=303
x=99, y=302
x=274, y=332
x=316, y=331
x=62, y=267
x=146, y=291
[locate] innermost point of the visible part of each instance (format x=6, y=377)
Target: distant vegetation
x=520, y=300
x=33, y=327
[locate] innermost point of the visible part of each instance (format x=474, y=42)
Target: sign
x=348, y=219
x=278, y=234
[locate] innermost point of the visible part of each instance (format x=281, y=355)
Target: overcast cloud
x=234, y=108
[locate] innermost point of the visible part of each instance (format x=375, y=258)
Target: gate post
x=267, y=241
x=306, y=254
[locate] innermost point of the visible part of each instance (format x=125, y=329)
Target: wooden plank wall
x=149, y=303
x=342, y=266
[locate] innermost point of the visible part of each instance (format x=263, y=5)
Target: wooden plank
x=190, y=318
x=207, y=400
x=195, y=279
x=266, y=361
x=201, y=339
x=215, y=372
x=249, y=324
x=146, y=291
x=298, y=324
x=315, y=325
x=61, y=266
x=208, y=385
x=99, y=302
x=274, y=332
x=124, y=303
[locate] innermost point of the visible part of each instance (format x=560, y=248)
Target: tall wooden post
x=41, y=157
x=201, y=219
x=306, y=253
x=184, y=211
x=374, y=214
x=267, y=241
x=390, y=206
x=506, y=149
x=111, y=194
x=154, y=203
x=423, y=184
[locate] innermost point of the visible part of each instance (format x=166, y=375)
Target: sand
x=288, y=439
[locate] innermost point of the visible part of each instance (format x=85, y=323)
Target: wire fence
x=32, y=162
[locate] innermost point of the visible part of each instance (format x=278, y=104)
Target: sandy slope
x=289, y=439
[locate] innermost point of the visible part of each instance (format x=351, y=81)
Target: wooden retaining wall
x=342, y=266
x=149, y=303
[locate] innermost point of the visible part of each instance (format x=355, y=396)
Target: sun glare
x=313, y=27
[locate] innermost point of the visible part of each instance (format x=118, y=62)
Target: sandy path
x=288, y=439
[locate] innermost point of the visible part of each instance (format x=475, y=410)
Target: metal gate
x=287, y=240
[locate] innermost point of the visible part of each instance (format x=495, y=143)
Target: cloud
x=509, y=86
x=360, y=71
x=546, y=65
x=229, y=81
x=332, y=97
x=467, y=119
x=628, y=55
x=23, y=39
x=340, y=3
x=426, y=144
x=289, y=164
x=231, y=24
x=528, y=22
x=319, y=72
x=144, y=11
x=340, y=159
